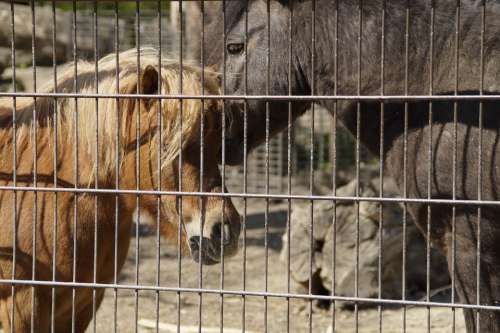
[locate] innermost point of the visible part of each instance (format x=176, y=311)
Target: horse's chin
x=205, y=260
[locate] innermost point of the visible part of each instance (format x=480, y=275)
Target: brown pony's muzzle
x=220, y=241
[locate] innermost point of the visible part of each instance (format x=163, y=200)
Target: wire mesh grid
x=240, y=216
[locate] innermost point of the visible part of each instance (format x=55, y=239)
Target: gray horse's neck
x=395, y=57
x=385, y=48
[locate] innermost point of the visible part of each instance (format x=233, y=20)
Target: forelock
x=234, y=12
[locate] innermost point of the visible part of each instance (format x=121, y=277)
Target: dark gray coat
x=335, y=70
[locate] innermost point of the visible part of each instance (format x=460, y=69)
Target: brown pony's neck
x=53, y=139
x=28, y=139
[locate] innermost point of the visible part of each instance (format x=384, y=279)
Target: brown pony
x=93, y=143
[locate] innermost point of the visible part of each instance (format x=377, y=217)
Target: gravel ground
x=229, y=309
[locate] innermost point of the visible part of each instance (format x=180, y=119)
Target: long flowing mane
x=94, y=122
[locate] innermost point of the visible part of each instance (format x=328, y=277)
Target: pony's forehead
x=128, y=63
x=148, y=56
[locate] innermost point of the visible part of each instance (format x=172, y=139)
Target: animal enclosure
x=249, y=166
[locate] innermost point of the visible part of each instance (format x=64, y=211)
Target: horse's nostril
x=216, y=231
x=194, y=244
x=223, y=232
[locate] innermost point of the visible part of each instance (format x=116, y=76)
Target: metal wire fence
x=129, y=145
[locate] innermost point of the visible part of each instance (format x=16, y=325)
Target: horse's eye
x=235, y=48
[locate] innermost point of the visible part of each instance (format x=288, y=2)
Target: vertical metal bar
x=480, y=168
x=223, y=171
x=159, y=187
x=55, y=211
x=137, y=159
x=14, y=164
x=381, y=170
x=117, y=167
x=202, y=150
x=334, y=160
x=35, y=167
x=429, y=174
x=358, y=132
x=405, y=161
x=454, y=162
x=289, y=165
x=96, y=184
x=179, y=198
x=266, y=213
x=311, y=156
x=75, y=167
x=245, y=174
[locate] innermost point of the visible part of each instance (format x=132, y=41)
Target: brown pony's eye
x=235, y=48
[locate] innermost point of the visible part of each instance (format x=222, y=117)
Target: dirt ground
x=231, y=311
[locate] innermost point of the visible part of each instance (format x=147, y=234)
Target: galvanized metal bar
x=137, y=160
x=334, y=162
x=253, y=195
x=454, y=162
x=381, y=165
x=430, y=166
x=289, y=164
x=248, y=293
x=117, y=169
x=180, y=162
x=480, y=165
x=267, y=137
x=357, y=158
x=14, y=164
x=223, y=162
x=75, y=167
x=35, y=168
x=317, y=98
x=405, y=161
x=202, y=150
x=311, y=157
x=159, y=117
x=245, y=176
x=96, y=185
x=55, y=166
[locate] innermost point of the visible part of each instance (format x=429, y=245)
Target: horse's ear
x=149, y=81
x=212, y=68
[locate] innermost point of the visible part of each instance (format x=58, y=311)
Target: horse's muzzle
x=203, y=251
x=223, y=242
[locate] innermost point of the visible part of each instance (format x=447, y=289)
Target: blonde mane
x=100, y=128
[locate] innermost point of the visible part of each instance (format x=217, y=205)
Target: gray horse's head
x=257, y=60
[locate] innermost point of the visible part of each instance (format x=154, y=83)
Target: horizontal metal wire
x=312, y=98
x=381, y=301
x=251, y=195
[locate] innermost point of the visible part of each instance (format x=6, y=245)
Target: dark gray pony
x=431, y=136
